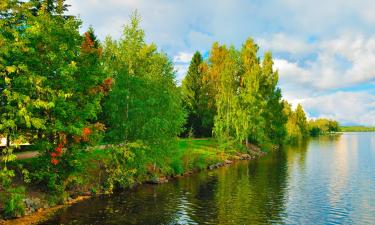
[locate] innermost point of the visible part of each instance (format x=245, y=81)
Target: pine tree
x=191, y=90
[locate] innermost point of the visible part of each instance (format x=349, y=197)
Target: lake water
x=327, y=180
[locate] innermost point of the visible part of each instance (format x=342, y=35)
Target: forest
x=105, y=115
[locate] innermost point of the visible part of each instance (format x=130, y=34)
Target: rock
x=32, y=205
x=211, y=167
x=219, y=165
x=158, y=180
x=228, y=161
x=245, y=157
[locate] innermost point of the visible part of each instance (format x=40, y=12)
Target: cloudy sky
x=324, y=49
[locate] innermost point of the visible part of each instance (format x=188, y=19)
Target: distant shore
x=356, y=129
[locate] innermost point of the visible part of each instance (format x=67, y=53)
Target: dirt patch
x=27, y=155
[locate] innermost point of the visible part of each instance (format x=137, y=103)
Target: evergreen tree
x=192, y=89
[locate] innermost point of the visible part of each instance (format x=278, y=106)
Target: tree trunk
x=7, y=140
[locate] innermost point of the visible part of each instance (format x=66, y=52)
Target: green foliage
x=298, y=128
x=52, y=85
x=13, y=201
x=144, y=103
x=322, y=126
x=301, y=120
x=274, y=117
x=296, y=125
x=356, y=129
x=177, y=165
x=248, y=105
x=116, y=165
x=200, y=116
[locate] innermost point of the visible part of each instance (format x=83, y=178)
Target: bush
x=177, y=166
x=118, y=173
x=13, y=202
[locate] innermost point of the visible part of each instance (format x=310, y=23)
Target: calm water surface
x=328, y=180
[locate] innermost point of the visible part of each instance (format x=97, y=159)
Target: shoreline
x=43, y=214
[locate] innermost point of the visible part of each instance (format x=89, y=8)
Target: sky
x=324, y=50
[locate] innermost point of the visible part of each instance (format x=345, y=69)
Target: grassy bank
x=191, y=155
x=356, y=129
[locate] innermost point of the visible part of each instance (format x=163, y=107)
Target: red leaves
x=57, y=152
x=88, y=44
x=108, y=81
x=104, y=88
x=86, y=131
x=54, y=161
x=58, y=149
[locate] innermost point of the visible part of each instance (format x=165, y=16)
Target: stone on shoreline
x=158, y=180
x=227, y=161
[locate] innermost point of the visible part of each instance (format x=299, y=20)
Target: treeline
x=356, y=129
x=233, y=95
x=323, y=126
x=64, y=93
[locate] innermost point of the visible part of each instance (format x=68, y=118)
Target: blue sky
x=324, y=49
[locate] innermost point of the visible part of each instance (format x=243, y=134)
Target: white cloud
x=281, y=42
x=340, y=62
x=346, y=107
x=182, y=61
x=183, y=57
x=181, y=70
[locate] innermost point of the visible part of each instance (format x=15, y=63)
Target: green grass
x=356, y=129
x=198, y=145
x=200, y=153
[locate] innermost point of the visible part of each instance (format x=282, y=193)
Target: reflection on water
x=326, y=180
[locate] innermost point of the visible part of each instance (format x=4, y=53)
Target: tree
x=301, y=120
x=199, y=118
x=192, y=91
x=223, y=66
x=296, y=126
x=247, y=99
x=50, y=72
x=322, y=126
x=275, y=119
x=251, y=101
x=144, y=103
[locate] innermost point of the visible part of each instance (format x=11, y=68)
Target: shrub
x=13, y=202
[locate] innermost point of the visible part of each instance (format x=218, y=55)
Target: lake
x=326, y=180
